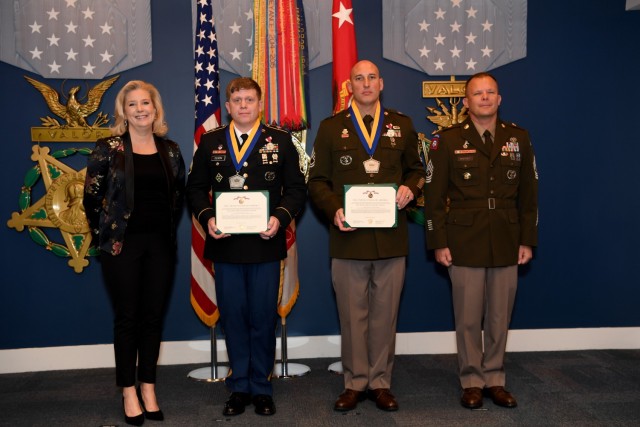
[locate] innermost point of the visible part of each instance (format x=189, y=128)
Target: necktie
x=367, y=122
x=244, y=137
x=487, y=138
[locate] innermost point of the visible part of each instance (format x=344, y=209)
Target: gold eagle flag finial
x=74, y=112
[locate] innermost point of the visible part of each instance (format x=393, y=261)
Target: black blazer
x=108, y=190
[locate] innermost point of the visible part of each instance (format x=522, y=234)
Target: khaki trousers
x=368, y=294
x=482, y=299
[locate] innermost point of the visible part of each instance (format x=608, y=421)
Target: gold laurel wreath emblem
x=60, y=207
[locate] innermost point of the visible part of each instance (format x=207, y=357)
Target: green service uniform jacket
x=338, y=157
x=493, y=194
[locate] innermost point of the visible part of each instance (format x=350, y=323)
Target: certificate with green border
x=370, y=206
x=242, y=212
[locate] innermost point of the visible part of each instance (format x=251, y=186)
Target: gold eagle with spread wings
x=446, y=118
x=75, y=112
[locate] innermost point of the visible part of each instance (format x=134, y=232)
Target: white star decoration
x=343, y=15
x=88, y=13
x=106, y=56
x=53, y=14
x=471, y=38
x=464, y=41
x=106, y=28
x=71, y=27
x=235, y=28
x=35, y=53
x=71, y=38
x=35, y=28
x=71, y=55
x=53, y=40
x=88, y=41
x=236, y=54
x=88, y=69
x=55, y=68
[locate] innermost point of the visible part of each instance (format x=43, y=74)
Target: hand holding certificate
x=241, y=212
x=370, y=206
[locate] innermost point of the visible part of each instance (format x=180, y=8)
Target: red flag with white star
x=345, y=54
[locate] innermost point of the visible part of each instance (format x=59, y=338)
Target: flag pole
x=285, y=369
x=345, y=56
x=213, y=373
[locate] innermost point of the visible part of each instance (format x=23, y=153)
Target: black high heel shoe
x=138, y=420
x=155, y=415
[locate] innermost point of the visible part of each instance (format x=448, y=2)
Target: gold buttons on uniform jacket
x=466, y=175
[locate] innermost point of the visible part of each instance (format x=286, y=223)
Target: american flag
x=207, y=110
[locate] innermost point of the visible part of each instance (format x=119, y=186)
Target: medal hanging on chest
x=239, y=154
x=368, y=139
x=236, y=182
x=371, y=165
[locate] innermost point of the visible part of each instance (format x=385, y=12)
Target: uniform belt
x=490, y=203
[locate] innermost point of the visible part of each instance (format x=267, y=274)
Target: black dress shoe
x=150, y=415
x=501, y=397
x=384, y=399
x=138, y=420
x=264, y=404
x=236, y=403
x=471, y=398
x=349, y=399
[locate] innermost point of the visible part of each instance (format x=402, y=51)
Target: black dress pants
x=139, y=280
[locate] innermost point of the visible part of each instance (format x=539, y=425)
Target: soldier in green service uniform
x=481, y=214
x=368, y=264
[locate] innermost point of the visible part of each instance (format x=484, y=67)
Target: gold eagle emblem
x=444, y=117
x=74, y=112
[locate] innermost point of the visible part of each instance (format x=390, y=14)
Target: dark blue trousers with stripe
x=247, y=297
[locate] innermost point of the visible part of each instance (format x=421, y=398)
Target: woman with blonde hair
x=133, y=197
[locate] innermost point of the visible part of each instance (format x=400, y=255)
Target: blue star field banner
x=454, y=37
x=75, y=39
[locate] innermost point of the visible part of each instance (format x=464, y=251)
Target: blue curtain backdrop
x=576, y=92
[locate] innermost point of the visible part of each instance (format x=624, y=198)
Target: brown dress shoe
x=501, y=397
x=384, y=399
x=471, y=398
x=348, y=400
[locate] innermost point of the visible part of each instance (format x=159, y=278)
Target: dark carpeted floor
x=576, y=388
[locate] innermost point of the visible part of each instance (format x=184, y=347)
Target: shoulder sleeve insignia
x=435, y=142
